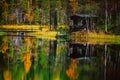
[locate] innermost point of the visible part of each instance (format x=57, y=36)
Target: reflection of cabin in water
x=81, y=22
x=80, y=51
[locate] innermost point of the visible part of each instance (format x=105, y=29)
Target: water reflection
x=32, y=58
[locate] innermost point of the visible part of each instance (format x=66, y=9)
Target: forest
x=36, y=43
x=58, y=12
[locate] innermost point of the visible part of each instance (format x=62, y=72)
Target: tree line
x=57, y=12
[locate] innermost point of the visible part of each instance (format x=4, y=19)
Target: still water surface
x=30, y=58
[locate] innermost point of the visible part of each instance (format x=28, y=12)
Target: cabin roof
x=76, y=16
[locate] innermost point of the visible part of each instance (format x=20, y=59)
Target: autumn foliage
x=72, y=71
x=7, y=75
x=27, y=62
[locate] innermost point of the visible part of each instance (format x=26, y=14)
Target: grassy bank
x=26, y=27
x=94, y=38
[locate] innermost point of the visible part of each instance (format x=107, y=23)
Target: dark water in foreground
x=28, y=58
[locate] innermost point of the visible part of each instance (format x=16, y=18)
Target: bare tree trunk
x=117, y=13
x=21, y=20
x=106, y=15
x=105, y=62
x=50, y=19
x=17, y=16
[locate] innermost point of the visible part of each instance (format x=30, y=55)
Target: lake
x=31, y=58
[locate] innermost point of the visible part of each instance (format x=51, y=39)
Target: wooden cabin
x=81, y=22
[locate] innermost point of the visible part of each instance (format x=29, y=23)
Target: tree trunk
x=106, y=15
x=17, y=16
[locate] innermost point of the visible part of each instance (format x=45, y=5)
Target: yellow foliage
x=5, y=39
x=57, y=77
x=7, y=75
x=72, y=72
x=27, y=62
x=22, y=75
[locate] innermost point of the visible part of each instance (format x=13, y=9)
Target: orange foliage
x=27, y=62
x=7, y=75
x=27, y=39
x=5, y=47
x=32, y=40
x=5, y=44
x=30, y=16
x=72, y=72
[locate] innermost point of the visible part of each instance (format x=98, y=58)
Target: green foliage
x=43, y=59
x=11, y=50
x=17, y=71
x=44, y=3
x=11, y=5
x=89, y=7
x=53, y=4
x=36, y=43
x=37, y=14
x=25, y=4
x=86, y=67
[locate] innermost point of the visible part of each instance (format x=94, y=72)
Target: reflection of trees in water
x=7, y=75
x=27, y=62
x=113, y=62
x=72, y=72
x=109, y=61
x=77, y=50
x=103, y=58
x=52, y=62
x=60, y=61
x=5, y=46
